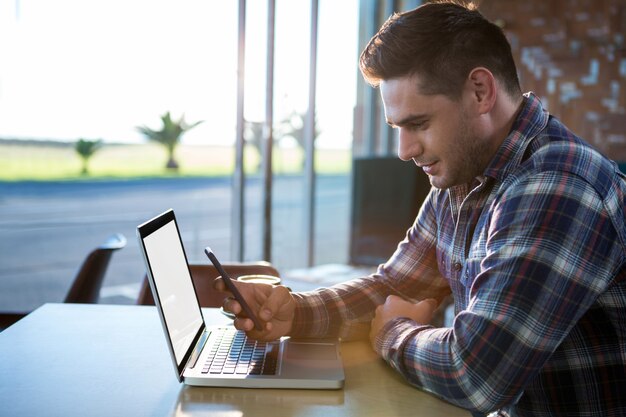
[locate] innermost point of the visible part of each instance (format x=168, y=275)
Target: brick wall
x=572, y=54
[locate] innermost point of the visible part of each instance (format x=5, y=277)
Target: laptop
x=221, y=356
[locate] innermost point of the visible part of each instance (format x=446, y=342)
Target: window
x=100, y=69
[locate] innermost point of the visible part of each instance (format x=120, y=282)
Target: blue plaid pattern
x=533, y=253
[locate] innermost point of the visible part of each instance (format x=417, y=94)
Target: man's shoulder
x=557, y=149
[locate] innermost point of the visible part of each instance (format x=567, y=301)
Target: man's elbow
x=477, y=397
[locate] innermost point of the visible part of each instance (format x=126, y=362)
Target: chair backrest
x=88, y=280
x=203, y=276
x=387, y=194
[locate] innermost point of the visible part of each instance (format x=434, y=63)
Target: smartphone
x=233, y=289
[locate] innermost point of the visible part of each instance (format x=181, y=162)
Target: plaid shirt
x=534, y=255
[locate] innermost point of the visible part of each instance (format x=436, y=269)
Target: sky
x=96, y=69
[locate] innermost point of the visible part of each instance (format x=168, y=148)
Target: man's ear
x=483, y=87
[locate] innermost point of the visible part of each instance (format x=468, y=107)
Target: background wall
x=571, y=53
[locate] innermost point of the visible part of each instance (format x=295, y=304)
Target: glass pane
x=97, y=71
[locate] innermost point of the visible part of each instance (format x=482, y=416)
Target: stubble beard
x=466, y=160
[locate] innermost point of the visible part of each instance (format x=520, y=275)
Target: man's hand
x=395, y=306
x=273, y=305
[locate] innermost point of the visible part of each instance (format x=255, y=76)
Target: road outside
x=47, y=229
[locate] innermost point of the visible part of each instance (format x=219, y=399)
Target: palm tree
x=169, y=135
x=292, y=126
x=253, y=134
x=86, y=149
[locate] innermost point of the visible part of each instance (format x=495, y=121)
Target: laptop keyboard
x=233, y=353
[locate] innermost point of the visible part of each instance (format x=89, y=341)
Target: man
x=524, y=226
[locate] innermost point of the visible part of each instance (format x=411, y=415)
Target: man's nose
x=408, y=146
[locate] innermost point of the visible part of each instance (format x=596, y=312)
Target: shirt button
x=457, y=266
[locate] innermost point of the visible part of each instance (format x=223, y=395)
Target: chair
x=386, y=196
x=88, y=281
x=203, y=276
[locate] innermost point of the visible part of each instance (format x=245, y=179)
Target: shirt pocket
x=471, y=269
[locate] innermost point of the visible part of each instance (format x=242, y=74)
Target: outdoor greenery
x=59, y=161
x=169, y=135
x=290, y=128
x=85, y=149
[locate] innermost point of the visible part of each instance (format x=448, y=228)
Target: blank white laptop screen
x=177, y=295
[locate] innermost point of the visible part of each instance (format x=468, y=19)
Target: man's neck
x=504, y=114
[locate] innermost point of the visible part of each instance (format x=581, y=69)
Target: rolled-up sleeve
x=346, y=310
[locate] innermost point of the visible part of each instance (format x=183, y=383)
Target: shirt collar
x=531, y=120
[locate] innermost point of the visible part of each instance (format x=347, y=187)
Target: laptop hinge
x=198, y=349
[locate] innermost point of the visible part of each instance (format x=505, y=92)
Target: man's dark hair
x=441, y=43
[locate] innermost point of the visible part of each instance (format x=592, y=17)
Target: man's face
x=437, y=133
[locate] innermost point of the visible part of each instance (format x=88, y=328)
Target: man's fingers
x=244, y=324
x=231, y=305
x=218, y=284
x=278, y=297
x=273, y=305
x=247, y=325
x=426, y=309
x=429, y=304
x=393, y=299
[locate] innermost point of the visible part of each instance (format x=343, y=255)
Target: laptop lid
x=301, y=364
x=172, y=286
